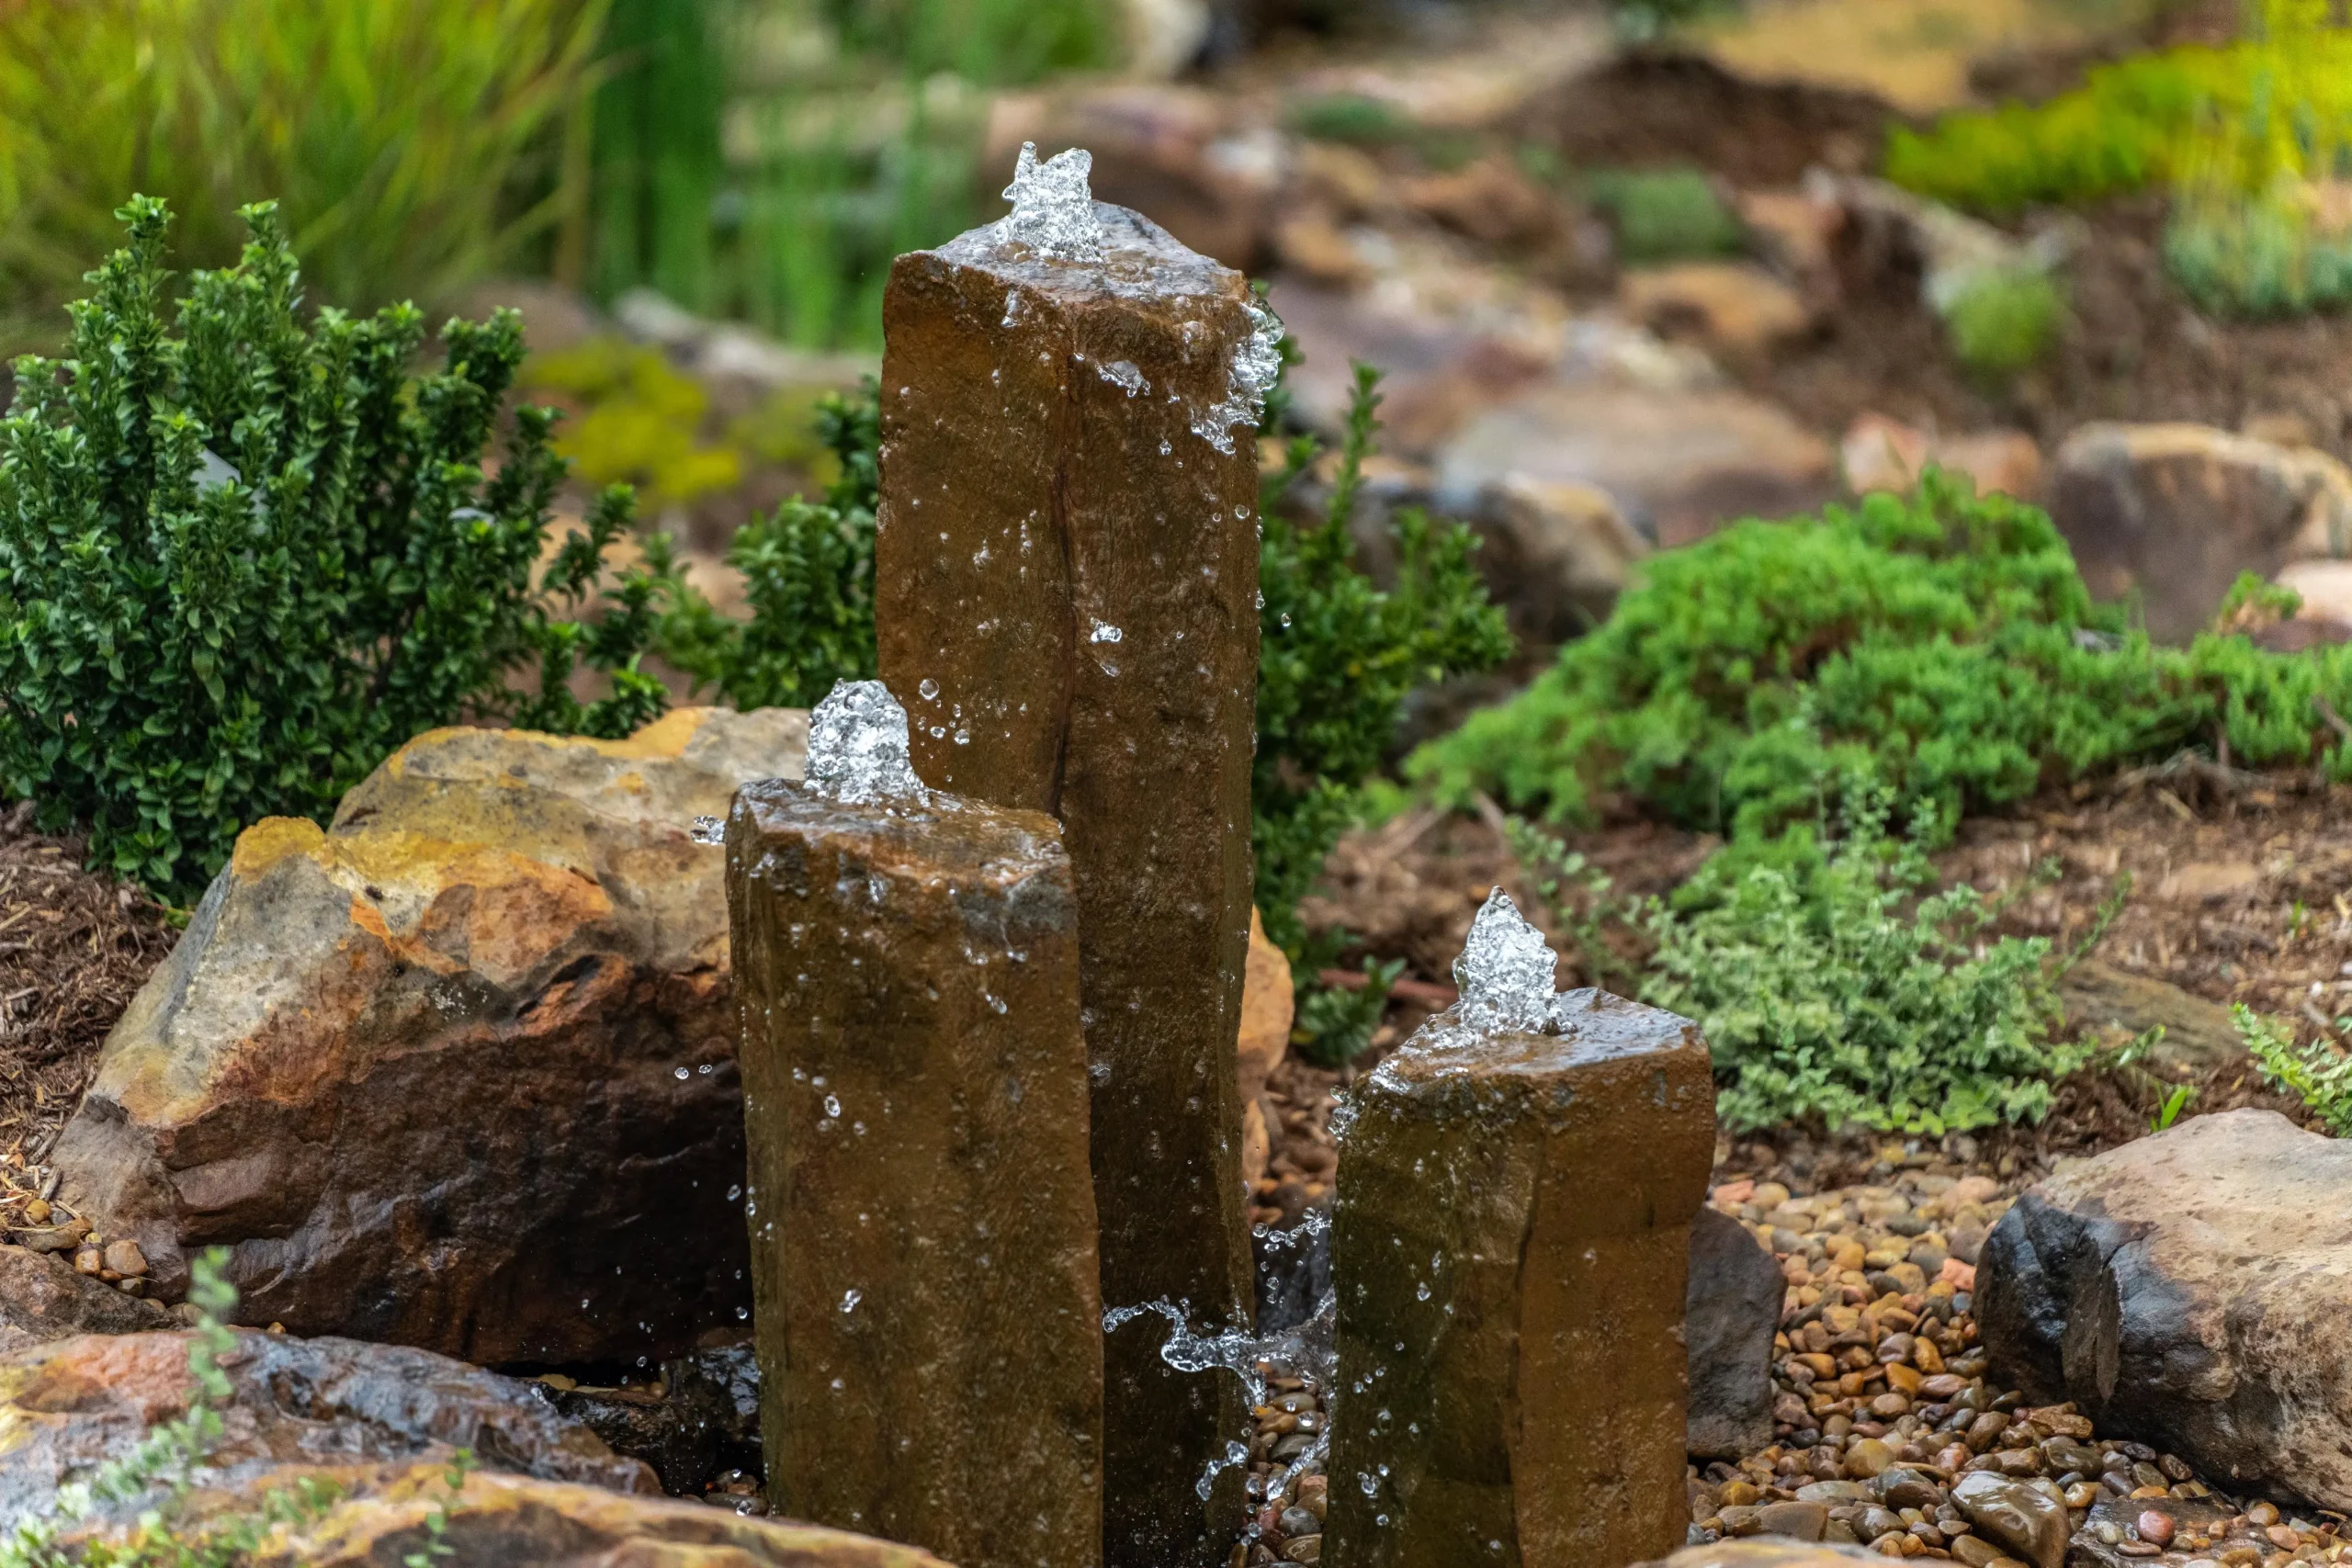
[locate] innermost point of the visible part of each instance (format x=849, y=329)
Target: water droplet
x=682, y=1075
x=833, y=1105
x=850, y=1300
x=734, y=1193
x=929, y=689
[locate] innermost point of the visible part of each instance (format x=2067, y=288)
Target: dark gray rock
x=1730, y=1313
x=67, y=1406
x=43, y=1297
x=2186, y=1290
x=706, y=1419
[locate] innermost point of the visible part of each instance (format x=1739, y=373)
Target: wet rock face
x=921, y=1201
x=457, y=1072
x=1516, y=1214
x=2177, y=510
x=69, y=1405
x=1731, y=1310
x=512, y=1522
x=1066, y=587
x=2185, y=1290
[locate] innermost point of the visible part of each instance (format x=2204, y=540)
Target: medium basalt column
x=1509, y=1245
x=1066, y=591
x=922, y=1209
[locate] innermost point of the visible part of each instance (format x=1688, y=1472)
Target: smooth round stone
x=2082, y=1494
x=1798, y=1521
x=1867, y=1458
x=1890, y=1406
x=1298, y=1521
x=1303, y=1549
x=1876, y=1522
x=1909, y=1489
x=1738, y=1493
x=1974, y=1551
x=2155, y=1526
x=1943, y=1385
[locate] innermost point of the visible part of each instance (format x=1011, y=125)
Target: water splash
x=1053, y=205
x=858, y=746
x=709, y=830
x=1257, y=364
x=1505, y=970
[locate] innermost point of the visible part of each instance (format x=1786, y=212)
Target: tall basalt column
x=1510, y=1247
x=922, y=1210
x=1065, y=588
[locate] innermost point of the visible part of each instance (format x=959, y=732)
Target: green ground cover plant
x=2005, y=321
x=1663, y=215
x=2317, y=1072
x=1941, y=644
x=1834, y=980
x=244, y=554
x=416, y=144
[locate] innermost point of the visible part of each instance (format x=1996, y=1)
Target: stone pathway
x=1892, y=1436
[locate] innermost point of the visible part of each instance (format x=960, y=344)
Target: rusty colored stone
x=922, y=1218
x=458, y=1070
x=1509, y=1248
x=1065, y=588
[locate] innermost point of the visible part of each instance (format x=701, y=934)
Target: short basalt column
x=921, y=1206
x=1065, y=588
x=1510, y=1247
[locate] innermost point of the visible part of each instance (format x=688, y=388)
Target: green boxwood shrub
x=243, y=561
x=1941, y=643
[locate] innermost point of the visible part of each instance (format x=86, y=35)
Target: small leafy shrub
x=1640, y=21
x=642, y=424
x=2266, y=102
x=809, y=575
x=1941, y=643
x=1338, y=656
x=2317, y=1073
x=2005, y=320
x=2257, y=257
x=415, y=143
x=1833, y=981
x=1662, y=215
x=240, y=564
x=1352, y=117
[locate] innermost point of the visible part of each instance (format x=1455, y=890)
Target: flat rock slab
x=67, y=1406
x=386, y=1515
x=2187, y=1290
x=458, y=1071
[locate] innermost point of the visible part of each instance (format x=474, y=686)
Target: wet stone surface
x=1886, y=1418
x=1066, y=577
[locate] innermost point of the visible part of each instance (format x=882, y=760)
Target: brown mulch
x=75, y=947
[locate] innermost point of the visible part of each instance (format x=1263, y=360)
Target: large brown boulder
x=2177, y=510
x=386, y=1514
x=458, y=1071
x=70, y=1405
x=2186, y=1290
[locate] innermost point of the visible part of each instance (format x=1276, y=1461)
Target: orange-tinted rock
x=1065, y=588
x=386, y=1512
x=1266, y=1006
x=67, y=1406
x=1509, y=1248
x=922, y=1206
x=458, y=1071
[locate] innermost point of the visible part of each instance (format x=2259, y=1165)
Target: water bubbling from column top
x=1052, y=205
x=858, y=746
x=1505, y=970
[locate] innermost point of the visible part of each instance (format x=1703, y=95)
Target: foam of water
x=1053, y=205
x=858, y=747
x=1256, y=366
x=1505, y=970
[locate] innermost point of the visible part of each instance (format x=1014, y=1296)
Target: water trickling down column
x=1066, y=585
x=1509, y=1246
x=921, y=1205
